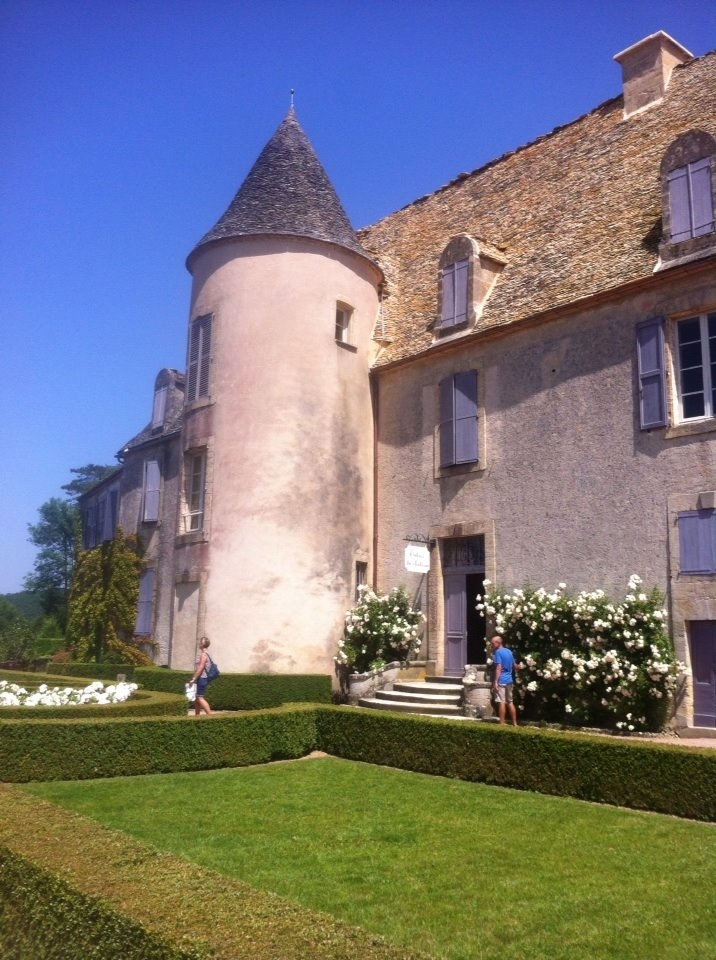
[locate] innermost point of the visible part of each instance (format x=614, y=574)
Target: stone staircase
x=434, y=696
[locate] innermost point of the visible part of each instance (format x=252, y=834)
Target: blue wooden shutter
x=145, y=605
x=193, y=365
x=454, y=294
x=461, y=291
x=205, y=361
x=697, y=541
x=466, y=417
x=448, y=304
x=152, y=479
x=701, y=197
x=447, y=420
x=679, y=206
x=159, y=407
x=650, y=357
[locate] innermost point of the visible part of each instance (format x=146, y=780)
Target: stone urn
x=476, y=701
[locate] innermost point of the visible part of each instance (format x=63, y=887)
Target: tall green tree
x=16, y=636
x=85, y=478
x=55, y=535
x=103, y=603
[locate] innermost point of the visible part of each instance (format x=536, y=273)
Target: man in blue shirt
x=503, y=679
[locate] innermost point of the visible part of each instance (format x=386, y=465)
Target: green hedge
x=232, y=691
x=87, y=749
x=642, y=775
x=95, y=671
x=153, y=907
x=243, y=691
x=42, y=917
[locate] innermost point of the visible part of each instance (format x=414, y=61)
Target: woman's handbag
x=213, y=672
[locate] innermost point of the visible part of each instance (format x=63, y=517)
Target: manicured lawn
x=462, y=871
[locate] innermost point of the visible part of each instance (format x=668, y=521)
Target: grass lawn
x=459, y=870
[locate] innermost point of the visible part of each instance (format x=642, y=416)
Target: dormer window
x=468, y=270
x=687, y=199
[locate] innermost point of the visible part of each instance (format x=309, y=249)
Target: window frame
x=195, y=490
x=707, y=365
x=343, y=332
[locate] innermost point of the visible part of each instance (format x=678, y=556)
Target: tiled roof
x=286, y=192
x=575, y=213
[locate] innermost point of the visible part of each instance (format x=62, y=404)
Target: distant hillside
x=27, y=603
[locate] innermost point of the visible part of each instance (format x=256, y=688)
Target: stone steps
x=436, y=696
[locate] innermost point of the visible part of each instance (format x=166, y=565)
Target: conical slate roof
x=286, y=192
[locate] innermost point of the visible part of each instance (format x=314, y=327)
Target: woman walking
x=200, y=678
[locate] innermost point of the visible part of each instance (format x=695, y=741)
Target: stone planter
x=477, y=698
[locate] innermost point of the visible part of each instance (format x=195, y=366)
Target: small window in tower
x=195, y=484
x=361, y=577
x=344, y=314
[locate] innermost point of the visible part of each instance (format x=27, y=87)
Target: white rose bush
x=380, y=629
x=14, y=695
x=586, y=659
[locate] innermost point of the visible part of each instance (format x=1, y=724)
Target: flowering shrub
x=587, y=659
x=13, y=695
x=380, y=628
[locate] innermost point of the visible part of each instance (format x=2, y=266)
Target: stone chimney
x=646, y=70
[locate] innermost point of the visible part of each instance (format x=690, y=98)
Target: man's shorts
x=503, y=694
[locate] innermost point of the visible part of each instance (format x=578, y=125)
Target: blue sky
x=127, y=126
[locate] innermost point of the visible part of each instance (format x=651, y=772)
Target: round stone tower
x=277, y=509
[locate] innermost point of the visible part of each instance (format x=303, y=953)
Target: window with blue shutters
x=458, y=419
x=691, y=205
x=688, y=171
x=199, y=358
x=454, y=294
x=697, y=541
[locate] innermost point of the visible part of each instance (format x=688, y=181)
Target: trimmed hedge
x=93, y=670
x=153, y=907
x=243, y=691
x=43, y=917
x=88, y=749
x=644, y=776
x=232, y=691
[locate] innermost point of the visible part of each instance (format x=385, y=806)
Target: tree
x=103, y=603
x=56, y=537
x=16, y=637
x=85, y=478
